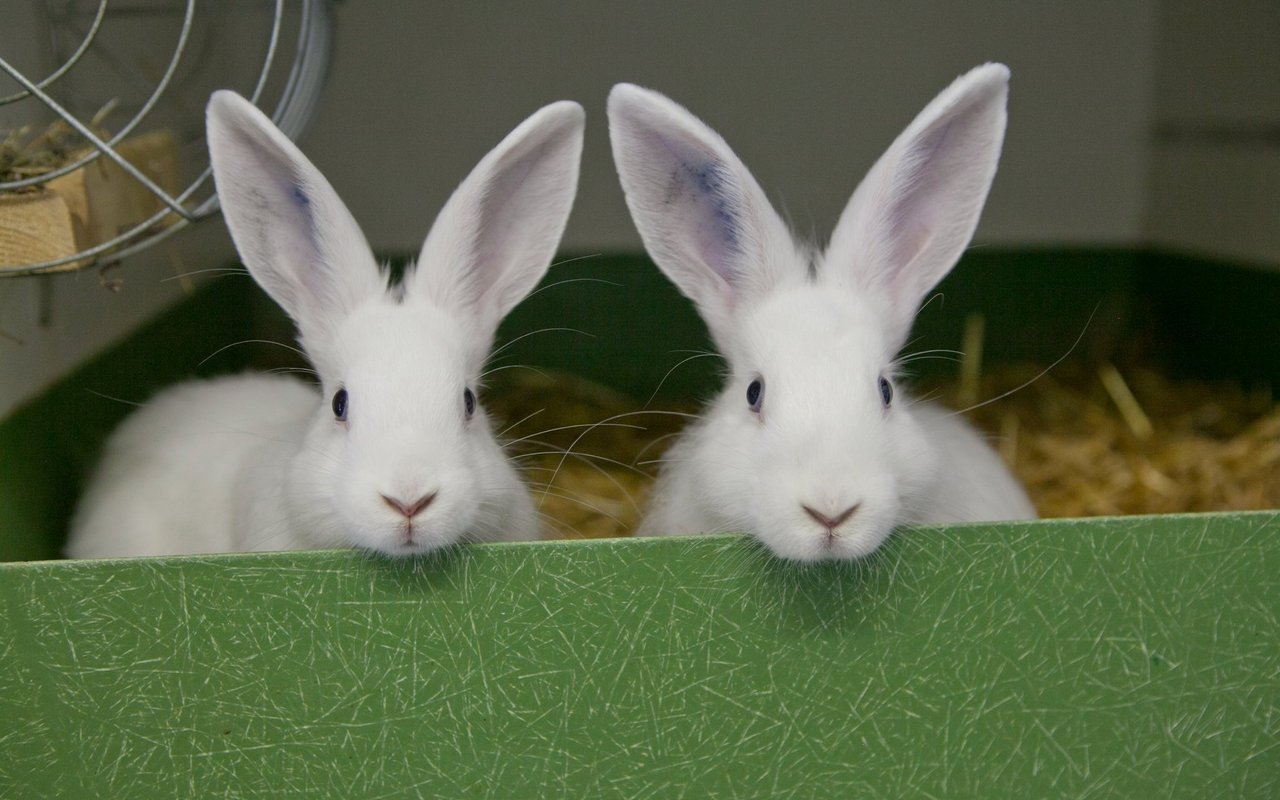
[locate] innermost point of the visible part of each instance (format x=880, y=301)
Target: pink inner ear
x=504, y=235
x=929, y=191
x=905, y=278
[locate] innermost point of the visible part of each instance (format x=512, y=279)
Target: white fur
x=820, y=329
x=259, y=462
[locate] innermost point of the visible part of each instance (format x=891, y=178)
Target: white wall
x=807, y=93
x=1215, y=179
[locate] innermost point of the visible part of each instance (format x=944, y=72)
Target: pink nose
x=831, y=523
x=410, y=510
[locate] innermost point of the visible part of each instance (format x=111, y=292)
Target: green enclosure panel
x=1128, y=658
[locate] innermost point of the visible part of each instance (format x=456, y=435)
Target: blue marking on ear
x=711, y=181
x=302, y=201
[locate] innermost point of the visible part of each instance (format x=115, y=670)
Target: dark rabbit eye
x=886, y=391
x=469, y=402
x=755, y=394
x=340, y=405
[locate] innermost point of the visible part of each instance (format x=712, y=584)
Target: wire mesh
x=159, y=60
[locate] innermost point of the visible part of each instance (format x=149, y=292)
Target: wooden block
x=35, y=227
x=88, y=206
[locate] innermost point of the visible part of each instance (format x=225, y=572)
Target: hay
x=589, y=453
x=1084, y=441
x=24, y=154
x=1088, y=442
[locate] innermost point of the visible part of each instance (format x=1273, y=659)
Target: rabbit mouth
x=411, y=538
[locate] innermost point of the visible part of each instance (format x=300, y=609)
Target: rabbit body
x=392, y=453
x=199, y=449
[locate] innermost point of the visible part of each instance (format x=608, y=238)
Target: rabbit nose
x=831, y=523
x=410, y=510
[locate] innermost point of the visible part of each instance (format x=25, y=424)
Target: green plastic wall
x=1127, y=658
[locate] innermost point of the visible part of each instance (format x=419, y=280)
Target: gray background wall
x=808, y=94
x=1131, y=122
x=1214, y=183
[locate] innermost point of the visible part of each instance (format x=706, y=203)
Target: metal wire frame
x=292, y=112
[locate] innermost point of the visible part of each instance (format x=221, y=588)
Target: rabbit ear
x=701, y=214
x=912, y=216
x=293, y=233
x=497, y=234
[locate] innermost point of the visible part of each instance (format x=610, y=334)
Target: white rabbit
x=392, y=454
x=810, y=447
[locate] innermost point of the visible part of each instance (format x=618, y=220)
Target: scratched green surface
x=1131, y=657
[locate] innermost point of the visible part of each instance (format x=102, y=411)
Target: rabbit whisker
x=133, y=403
x=547, y=492
x=492, y=370
x=588, y=425
x=250, y=341
x=589, y=459
x=573, y=259
x=214, y=270
x=606, y=421
x=939, y=296
x=681, y=363
x=574, y=280
x=1042, y=372
x=295, y=370
x=505, y=345
x=655, y=443
x=526, y=418
x=947, y=355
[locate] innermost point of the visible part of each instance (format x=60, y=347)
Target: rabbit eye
x=468, y=402
x=755, y=394
x=340, y=405
x=886, y=391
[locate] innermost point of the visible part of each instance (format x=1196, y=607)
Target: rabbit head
x=399, y=456
x=811, y=447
